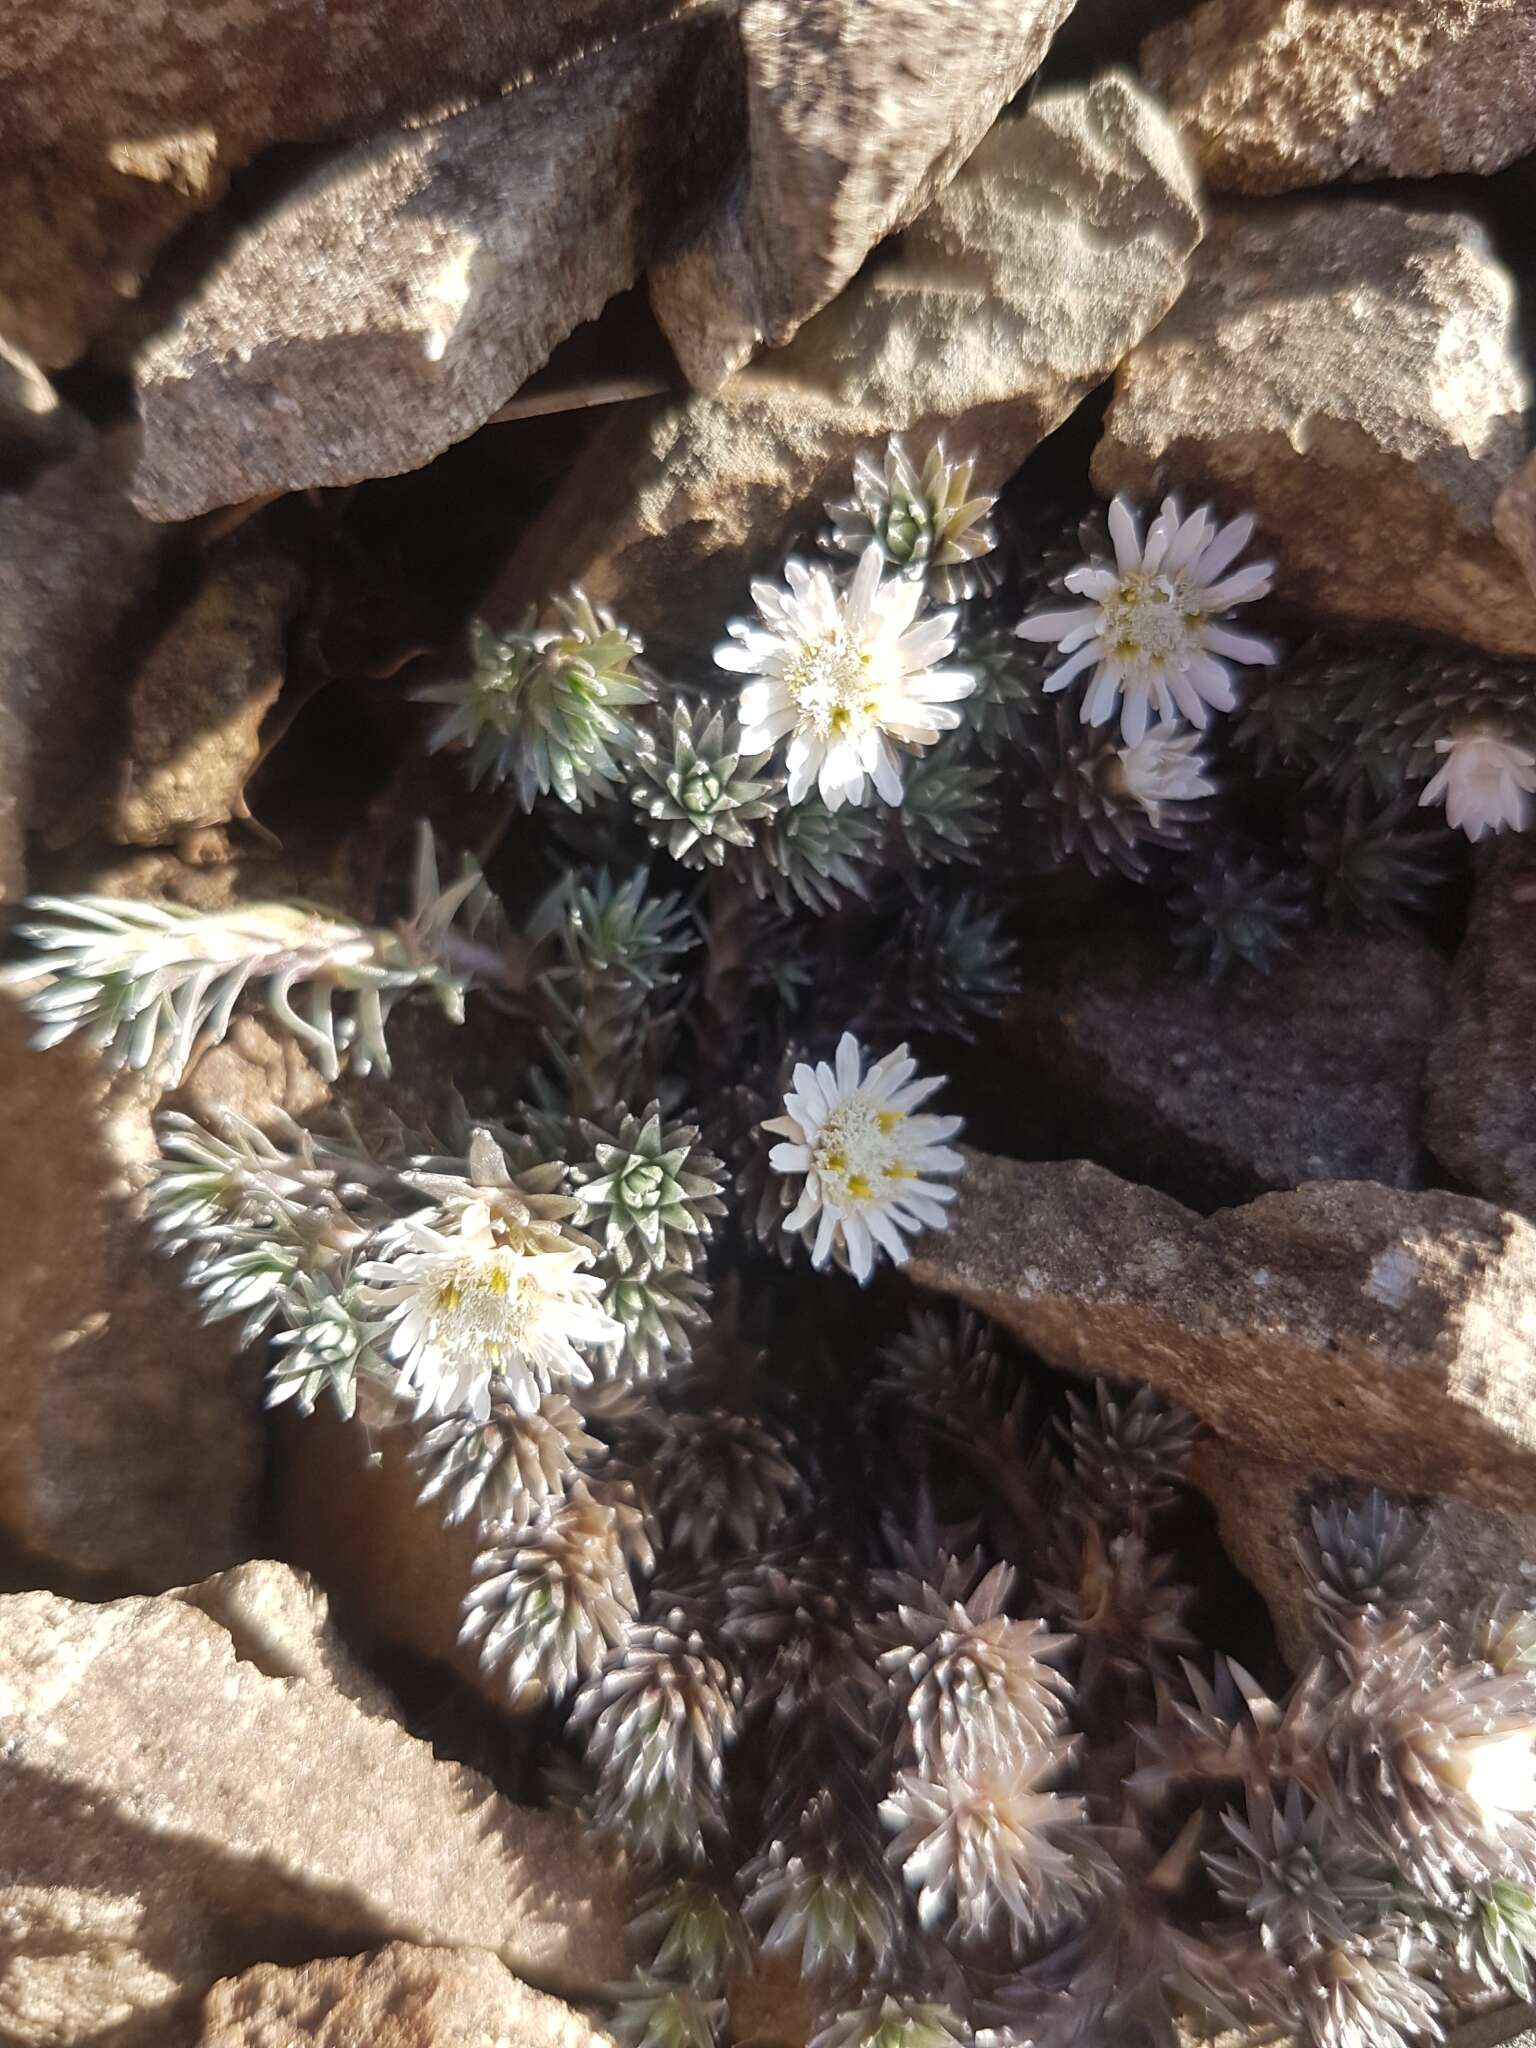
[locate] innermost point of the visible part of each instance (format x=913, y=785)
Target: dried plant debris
x=871, y=1660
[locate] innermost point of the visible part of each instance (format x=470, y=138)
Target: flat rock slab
x=1480, y=1112
x=1062, y=242
x=170, y=1815
x=398, y=1997
x=858, y=113
x=407, y=290
x=1219, y=1094
x=1273, y=95
x=1351, y=373
x=1348, y=1327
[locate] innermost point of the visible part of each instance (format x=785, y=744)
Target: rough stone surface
x=1263, y=1509
x=1514, y=517
x=118, y=123
x=1350, y=372
x=34, y=426
x=345, y=1506
x=1216, y=1095
x=398, y=1997
x=1514, y=2027
x=1353, y=1328
x=197, y=701
x=858, y=112
x=1482, y=1074
x=406, y=291
x=1273, y=95
x=75, y=559
x=130, y=1448
x=170, y=1815
x=1063, y=240
x=279, y=1620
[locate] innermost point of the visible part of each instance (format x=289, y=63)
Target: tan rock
x=1351, y=373
x=345, y=1506
x=1513, y=2026
x=198, y=699
x=1264, y=1510
x=398, y=1997
x=130, y=1446
x=1482, y=1072
x=402, y=294
x=858, y=113
x=170, y=1815
x=1216, y=1095
x=1277, y=94
x=34, y=426
x=1514, y=517
x=75, y=560
x=279, y=1620
x=117, y=123
x=1349, y=1327
x=1063, y=240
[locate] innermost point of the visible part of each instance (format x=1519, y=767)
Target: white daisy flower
x=1497, y=1773
x=471, y=1297
x=869, y=1162
x=849, y=677
x=1166, y=767
x=1484, y=782
x=1151, y=629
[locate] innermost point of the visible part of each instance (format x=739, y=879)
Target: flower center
x=484, y=1306
x=1149, y=618
x=832, y=687
x=859, y=1153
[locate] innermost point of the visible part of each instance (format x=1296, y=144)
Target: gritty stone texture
x=858, y=113
x=398, y=1997
x=197, y=701
x=1063, y=240
x=406, y=291
x=1353, y=1328
x=345, y=1505
x=1273, y=95
x=34, y=426
x=170, y=1815
x=1480, y=1121
x=1219, y=1094
x=1513, y=2027
x=1351, y=373
x=1264, y=1510
x=279, y=1620
x=1514, y=517
x=75, y=561
x=129, y=1439
x=119, y=122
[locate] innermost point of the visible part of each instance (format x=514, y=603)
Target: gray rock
x=1264, y=1509
x=404, y=1996
x=1218, y=1094
x=1482, y=1074
x=1348, y=1327
x=858, y=113
x=1063, y=240
x=118, y=123
x=170, y=1815
x=1351, y=373
x=75, y=561
x=403, y=293
x=1277, y=94
x=197, y=700
x=1514, y=517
